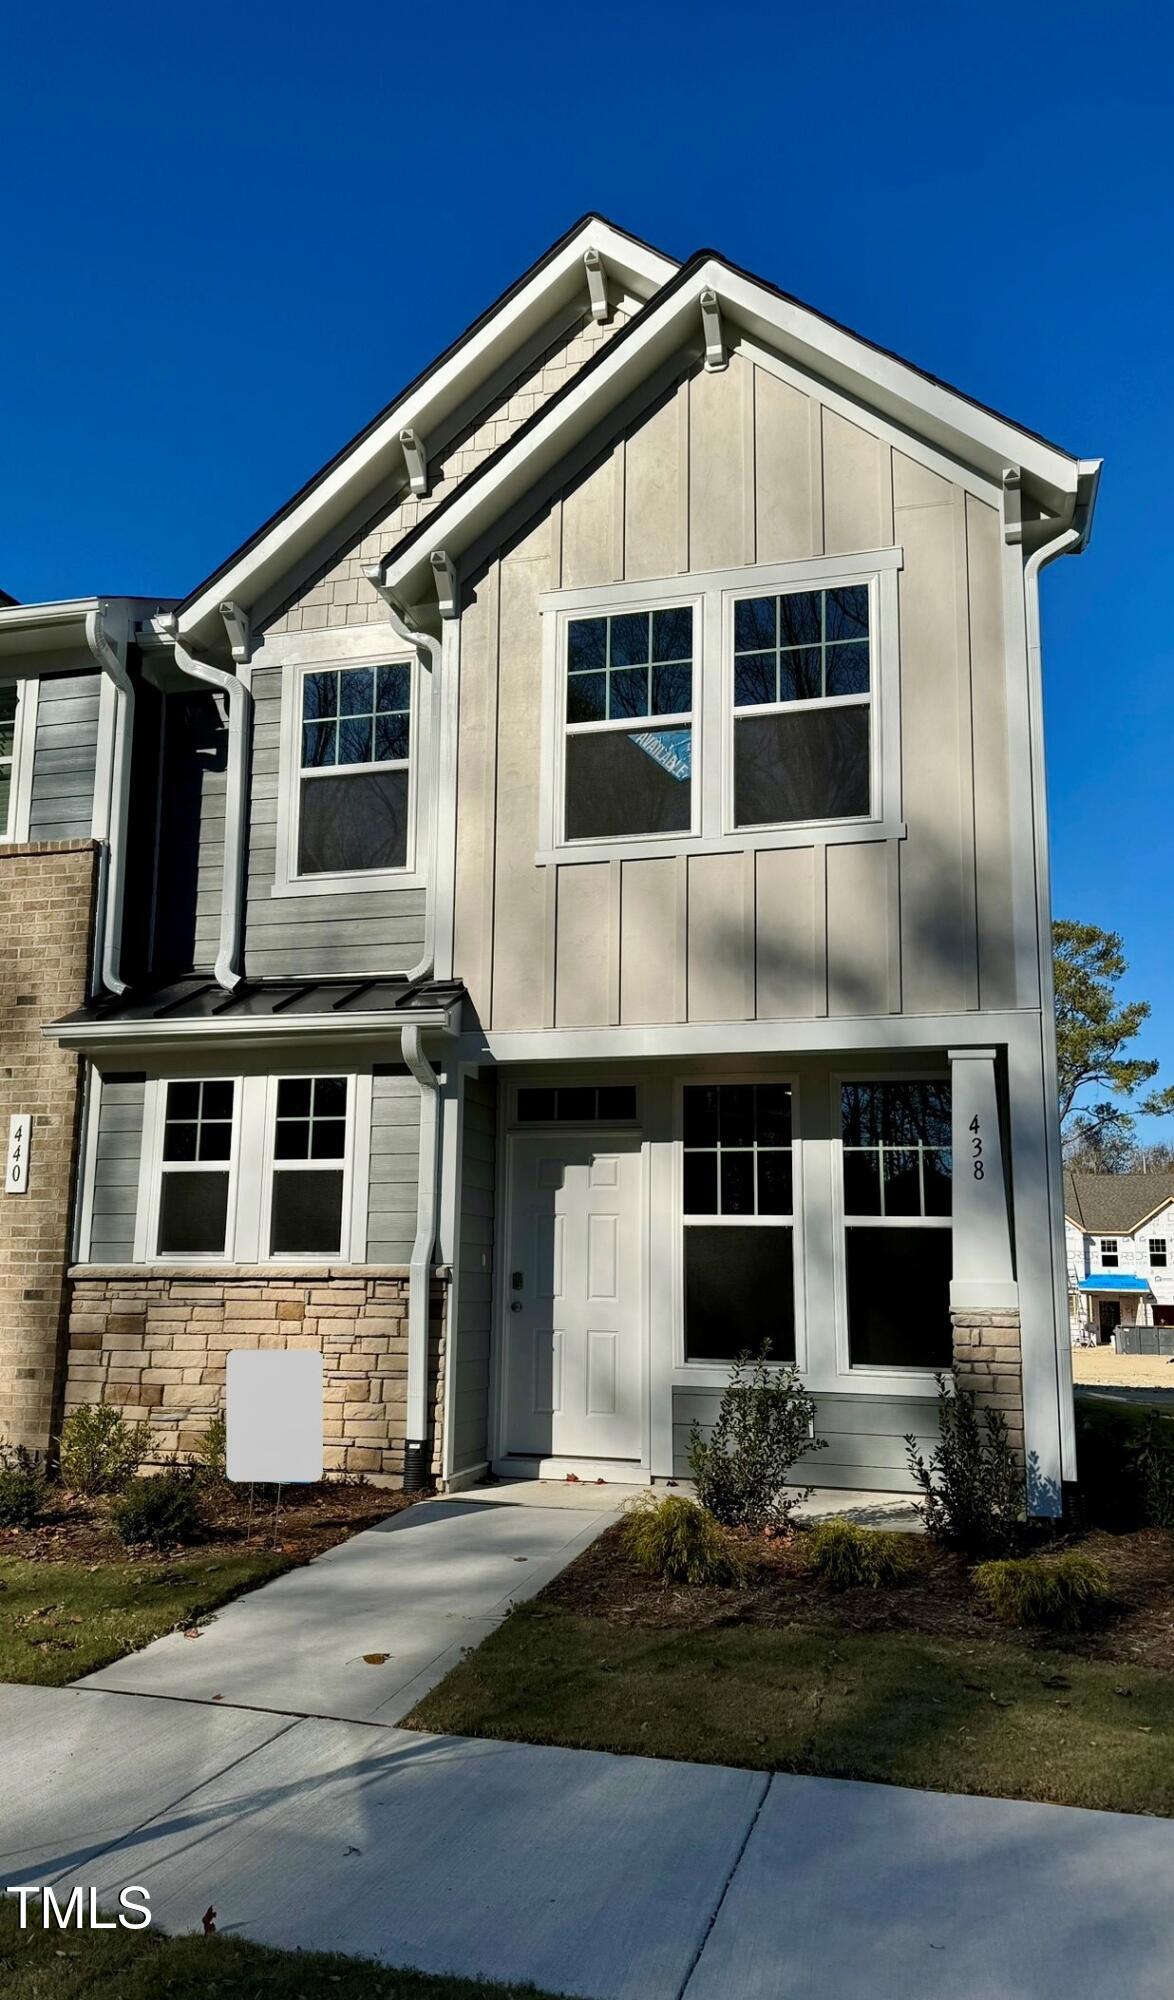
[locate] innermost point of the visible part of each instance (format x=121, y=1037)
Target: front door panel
x=573, y=1317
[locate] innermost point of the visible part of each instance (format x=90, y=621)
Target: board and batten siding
x=116, y=1171
x=65, y=757
x=360, y=931
x=470, y=1339
x=865, y=1437
x=394, y=1171
x=733, y=468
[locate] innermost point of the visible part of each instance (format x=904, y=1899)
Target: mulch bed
x=313, y=1518
x=937, y=1600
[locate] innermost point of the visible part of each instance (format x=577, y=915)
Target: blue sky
x=231, y=233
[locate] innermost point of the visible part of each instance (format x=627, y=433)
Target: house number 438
x=976, y=1149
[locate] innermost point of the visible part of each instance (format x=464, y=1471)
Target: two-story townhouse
x=1119, y=1238
x=600, y=909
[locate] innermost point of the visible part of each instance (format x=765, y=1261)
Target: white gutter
x=228, y=971
x=428, y=651
x=420, y=1268
x=109, y=649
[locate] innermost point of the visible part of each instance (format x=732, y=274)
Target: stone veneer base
x=988, y=1359
x=153, y=1340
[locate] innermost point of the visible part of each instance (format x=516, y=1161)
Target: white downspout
x=111, y=657
x=1066, y=542
x=239, y=700
x=428, y=650
x=420, y=1269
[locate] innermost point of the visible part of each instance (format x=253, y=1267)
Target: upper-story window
x=1158, y=1252
x=1110, y=1258
x=629, y=724
x=8, y=706
x=355, y=775
x=802, y=682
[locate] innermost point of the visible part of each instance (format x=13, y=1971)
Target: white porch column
x=983, y=1278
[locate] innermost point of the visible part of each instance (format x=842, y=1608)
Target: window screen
x=897, y=1167
x=802, y=723
x=737, y=1174
x=310, y=1129
x=629, y=724
x=197, y=1155
x=355, y=776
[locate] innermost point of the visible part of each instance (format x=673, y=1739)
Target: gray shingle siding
x=65, y=757
x=394, y=1170
x=116, y=1174
x=865, y=1437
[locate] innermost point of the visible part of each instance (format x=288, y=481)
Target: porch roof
x=1112, y=1281
x=196, y=1008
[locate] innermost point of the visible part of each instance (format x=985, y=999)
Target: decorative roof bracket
x=445, y=577
x=239, y=630
x=596, y=285
x=711, y=326
x=416, y=459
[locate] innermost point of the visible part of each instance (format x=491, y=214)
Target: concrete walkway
x=322, y=1825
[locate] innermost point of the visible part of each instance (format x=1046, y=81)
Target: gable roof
x=1115, y=1204
x=431, y=399
x=670, y=324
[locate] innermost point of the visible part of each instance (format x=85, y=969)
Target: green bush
x=1069, y=1593
x=1150, y=1453
x=99, y=1450
x=675, y=1539
x=22, y=1486
x=765, y=1424
x=847, y=1557
x=161, y=1510
x=973, y=1484
x=210, y=1457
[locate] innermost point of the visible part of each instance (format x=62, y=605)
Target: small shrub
x=765, y=1424
x=1150, y=1452
x=846, y=1557
x=973, y=1484
x=22, y=1486
x=679, y=1542
x=210, y=1457
x=99, y=1450
x=160, y=1510
x=1069, y=1593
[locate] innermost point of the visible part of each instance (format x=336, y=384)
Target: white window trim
x=1102, y=1252
x=878, y=1380
x=352, y=1229
x=251, y=1172
x=713, y=594
x=20, y=797
x=715, y=1374
x=286, y=880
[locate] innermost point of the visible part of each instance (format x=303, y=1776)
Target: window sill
x=363, y=881
x=834, y=833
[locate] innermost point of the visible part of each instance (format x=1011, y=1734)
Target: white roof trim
x=95, y=1036
x=897, y=391
x=633, y=266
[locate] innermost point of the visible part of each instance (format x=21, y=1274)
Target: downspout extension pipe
x=416, y=1468
x=239, y=700
x=110, y=654
x=428, y=650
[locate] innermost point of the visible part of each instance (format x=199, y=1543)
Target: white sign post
x=20, y=1132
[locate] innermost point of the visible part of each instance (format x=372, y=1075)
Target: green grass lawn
x=59, y=1620
x=125, y=1965
x=946, y=1713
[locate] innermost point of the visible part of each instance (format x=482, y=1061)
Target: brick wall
x=46, y=928
x=988, y=1360
x=154, y=1343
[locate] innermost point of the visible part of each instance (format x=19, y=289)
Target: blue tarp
x=1113, y=1281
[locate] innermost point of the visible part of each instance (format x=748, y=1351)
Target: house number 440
x=976, y=1149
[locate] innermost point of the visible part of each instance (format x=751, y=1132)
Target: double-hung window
x=802, y=690
x=354, y=780
x=196, y=1171
x=1110, y=1256
x=897, y=1168
x=309, y=1167
x=1158, y=1253
x=738, y=1189
x=628, y=722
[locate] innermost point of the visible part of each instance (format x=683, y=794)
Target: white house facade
x=1119, y=1236
x=585, y=911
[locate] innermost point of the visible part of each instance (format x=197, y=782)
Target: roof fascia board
x=424, y=405
x=29, y=629
x=962, y=430
x=99, y=1036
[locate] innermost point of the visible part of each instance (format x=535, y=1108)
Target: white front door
x=572, y=1314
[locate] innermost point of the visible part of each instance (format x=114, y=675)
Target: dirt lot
x=1101, y=1367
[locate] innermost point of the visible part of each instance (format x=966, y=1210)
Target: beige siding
x=729, y=468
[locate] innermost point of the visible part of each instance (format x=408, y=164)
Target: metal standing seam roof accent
x=201, y=999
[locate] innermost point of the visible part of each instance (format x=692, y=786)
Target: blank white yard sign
x=273, y=1406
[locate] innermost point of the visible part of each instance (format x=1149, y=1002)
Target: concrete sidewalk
x=365, y=1630
x=617, y=1878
